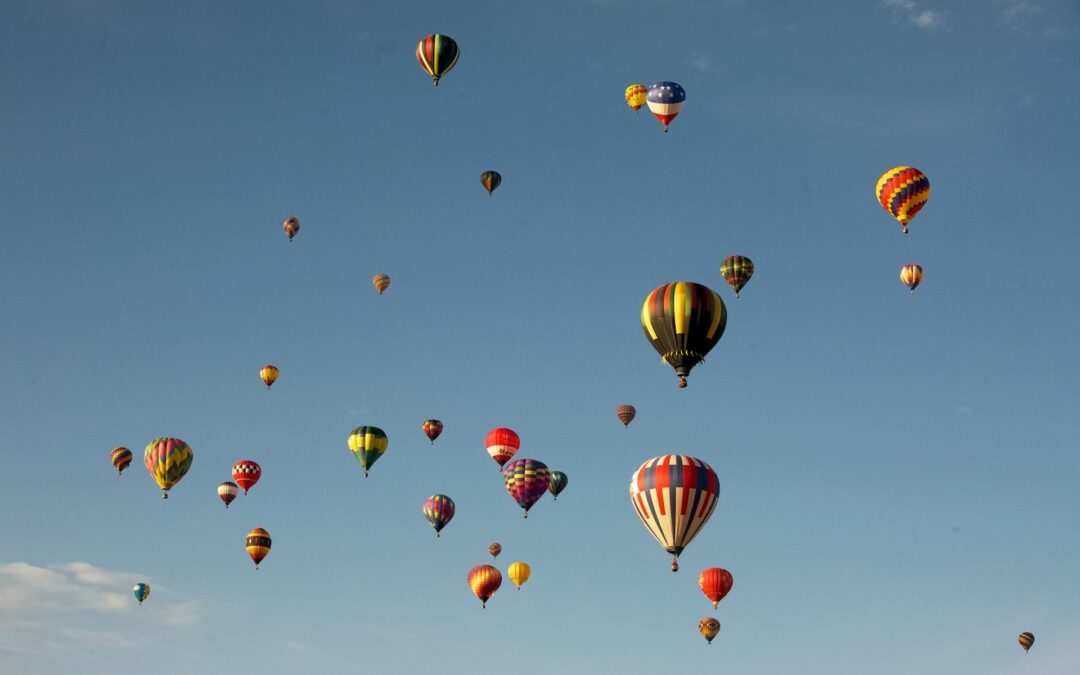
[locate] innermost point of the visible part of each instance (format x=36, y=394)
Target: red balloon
x=502, y=444
x=246, y=473
x=715, y=583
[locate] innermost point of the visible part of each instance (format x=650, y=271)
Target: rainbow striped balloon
x=484, y=580
x=439, y=511
x=526, y=481
x=167, y=460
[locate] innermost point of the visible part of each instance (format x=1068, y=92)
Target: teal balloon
x=557, y=484
x=141, y=591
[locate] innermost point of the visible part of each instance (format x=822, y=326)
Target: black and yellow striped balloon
x=1026, y=640
x=737, y=270
x=683, y=321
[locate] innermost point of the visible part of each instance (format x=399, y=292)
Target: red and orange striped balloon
x=484, y=580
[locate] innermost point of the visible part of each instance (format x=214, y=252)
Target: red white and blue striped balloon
x=665, y=100
x=674, y=495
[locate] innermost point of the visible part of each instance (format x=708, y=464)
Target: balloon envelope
x=490, y=180
x=121, y=459
x=557, y=483
x=683, y=321
x=141, y=591
x=715, y=583
x=381, y=282
x=526, y=481
x=432, y=429
x=494, y=549
x=269, y=374
x=1026, y=640
x=292, y=226
x=674, y=496
x=246, y=473
x=626, y=414
x=911, y=276
x=635, y=96
x=439, y=510
x=227, y=491
x=736, y=270
x=257, y=544
x=502, y=444
x=519, y=573
x=484, y=580
x=903, y=191
x=665, y=100
x=709, y=628
x=168, y=461
x=368, y=444
x=437, y=54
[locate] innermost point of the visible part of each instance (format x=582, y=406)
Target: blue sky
x=898, y=473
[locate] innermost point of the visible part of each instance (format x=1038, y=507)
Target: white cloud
x=700, y=61
x=1013, y=12
x=67, y=605
x=915, y=14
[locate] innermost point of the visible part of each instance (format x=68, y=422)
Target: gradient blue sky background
x=898, y=474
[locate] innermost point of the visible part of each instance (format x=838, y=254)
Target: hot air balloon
x=432, y=429
x=709, y=628
x=674, y=495
x=121, y=459
x=439, y=510
x=519, y=573
x=437, y=54
x=269, y=374
x=683, y=321
x=494, y=549
x=903, y=191
x=490, y=180
x=246, y=473
x=292, y=226
x=557, y=484
x=665, y=100
x=141, y=591
x=737, y=270
x=502, y=444
x=167, y=460
x=626, y=414
x=368, y=444
x=715, y=583
x=526, y=480
x=1026, y=640
x=484, y=580
x=381, y=282
x=635, y=96
x=257, y=543
x=911, y=276
x=227, y=491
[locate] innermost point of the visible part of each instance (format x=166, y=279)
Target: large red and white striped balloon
x=674, y=495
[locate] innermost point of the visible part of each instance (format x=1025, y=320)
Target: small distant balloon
x=141, y=591
x=903, y=191
x=557, y=484
x=709, y=628
x=635, y=96
x=368, y=444
x=715, y=583
x=439, y=511
x=121, y=459
x=292, y=226
x=665, y=100
x=736, y=270
x=502, y=444
x=381, y=282
x=227, y=491
x=484, y=580
x=246, y=473
x=257, y=544
x=911, y=276
x=432, y=429
x=626, y=414
x=1026, y=640
x=269, y=374
x=490, y=180
x=494, y=549
x=519, y=573
x=437, y=54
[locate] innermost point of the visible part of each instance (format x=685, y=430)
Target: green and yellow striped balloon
x=737, y=270
x=368, y=444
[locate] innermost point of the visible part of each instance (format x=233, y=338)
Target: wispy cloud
x=700, y=61
x=62, y=606
x=1014, y=12
x=916, y=14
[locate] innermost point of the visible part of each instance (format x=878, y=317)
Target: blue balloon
x=141, y=591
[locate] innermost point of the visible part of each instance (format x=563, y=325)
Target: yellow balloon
x=635, y=96
x=518, y=573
